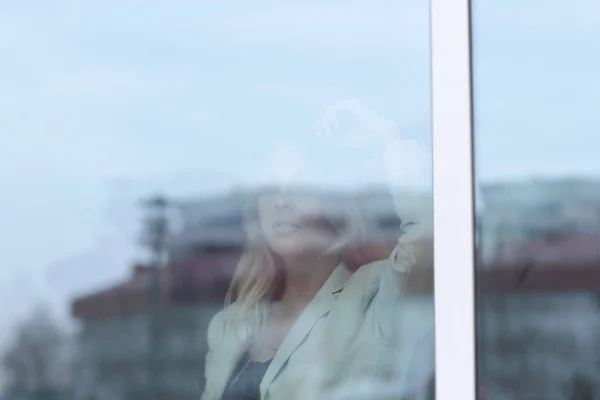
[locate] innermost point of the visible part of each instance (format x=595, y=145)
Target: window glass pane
x=157, y=155
x=536, y=88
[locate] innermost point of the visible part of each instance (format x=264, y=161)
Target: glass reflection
x=155, y=155
x=535, y=89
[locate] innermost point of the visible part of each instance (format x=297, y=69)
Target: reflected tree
x=37, y=361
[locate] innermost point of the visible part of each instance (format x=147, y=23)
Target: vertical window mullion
x=453, y=201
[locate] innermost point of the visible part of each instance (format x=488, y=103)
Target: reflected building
x=114, y=339
x=539, y=289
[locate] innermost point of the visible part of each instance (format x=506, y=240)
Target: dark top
x=244, y=383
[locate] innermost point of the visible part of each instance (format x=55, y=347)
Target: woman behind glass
x=299, y=324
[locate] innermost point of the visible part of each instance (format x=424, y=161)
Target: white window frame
x=453, y=201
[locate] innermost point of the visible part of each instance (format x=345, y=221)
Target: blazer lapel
x=317, y=308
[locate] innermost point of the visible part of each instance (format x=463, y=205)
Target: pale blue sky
x=103, y=101
x=536, y=87
x=106, y=100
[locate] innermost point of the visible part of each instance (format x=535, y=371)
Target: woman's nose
x=284, y=200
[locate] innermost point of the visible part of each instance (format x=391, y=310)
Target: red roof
x=570, y=264
x=203, y=278
x=582, y=251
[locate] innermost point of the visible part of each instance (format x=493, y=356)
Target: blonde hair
x=259, y=276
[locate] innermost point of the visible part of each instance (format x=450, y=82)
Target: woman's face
x=295, y=223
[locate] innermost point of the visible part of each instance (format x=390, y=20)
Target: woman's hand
x=421, y=248
x=420, y=278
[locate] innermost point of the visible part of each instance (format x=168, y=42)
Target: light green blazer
x=359, y=333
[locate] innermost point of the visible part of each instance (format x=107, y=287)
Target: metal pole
x=155, y=235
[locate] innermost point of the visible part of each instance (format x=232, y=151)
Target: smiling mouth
x=286, y=227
